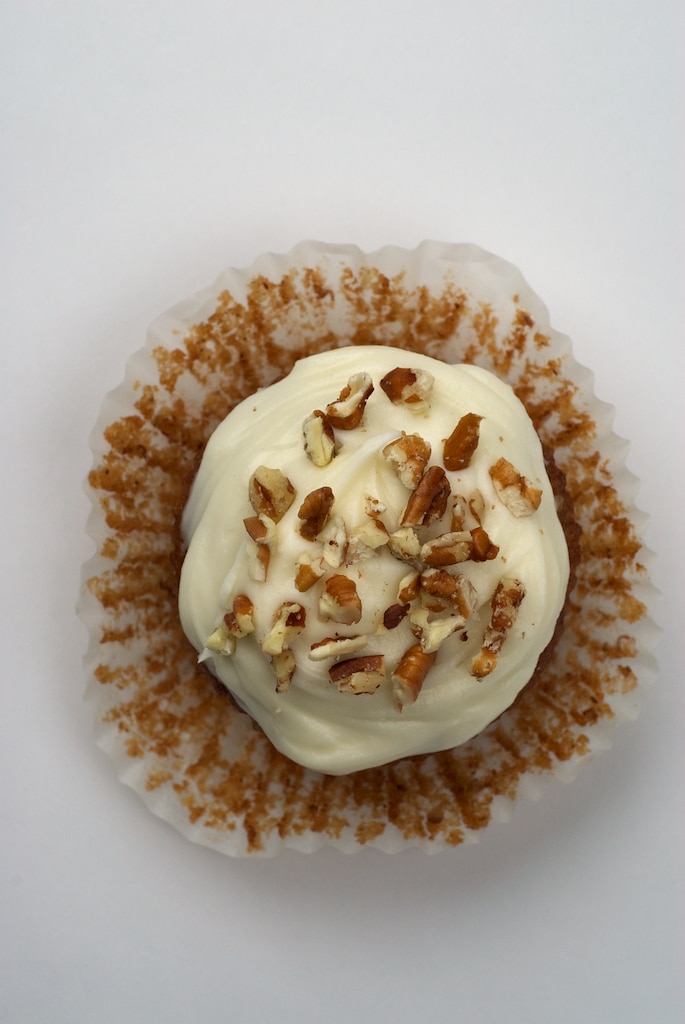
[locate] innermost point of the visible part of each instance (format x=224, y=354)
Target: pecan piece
x=365, y=540
x=221, y=641
x=270, y=492
x=409, y=588
x=340, y=601
x=319, y=438
x=483, y=549
x=410, y=674
x=441, y=590
x=315, y=511
x=406, y=386
x=307, y=574
x=284, y=666
x=289, y=620
x=432, y=632
x=408, y=455
x=336, y=646
x=346, y=413
x=239, y=620
x=506, y=600
x=393, y=615
x=429, y=499
x=514, y=490
x=458, y=449
x=333, y=539
x=262, y=532
x=359, y=675
x=405, y=545
x=447, y=549
x=459, y=509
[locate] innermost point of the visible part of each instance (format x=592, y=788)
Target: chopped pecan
x=365, y=539
x=505, y=604
x=432, y=632
x=458, y=449
x=221, y=641
x=447, y=549
x=347, y=412
x=441, y=590
x=477, y=506
x=410, y=674
x=333, y=539
x=483, y=549
x=408, y=455
x=409, y=588
x=373, y=507
x=289, y=620
x=319, y=438
x=337, y=646
x=393, y=615
x=270, y=493
x=514, y=490
x=239, y=621
x=284, y=666
x=429, y=499
x=459, y=509
x=405, y=545
x=262, y=531
x=315, y=511
x=359, y=675
x=340, y=601
x=308, y=573
x=406, y=386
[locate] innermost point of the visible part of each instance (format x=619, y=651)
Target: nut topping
x=448, y=549
x=405, y=386
x=404, y=544
x=358, y=675
x=432, y=632
x=408, y=455
x=459, y=509
x=262, y=531
x=442, y=590
x=409, y=676
x=393, y=615
x=239, y=620
x=270, y=492
x=347, y=412
x=333, y=539
x=284, y=667
x=458, y=449
x=221, y=641
x=514, y=490
x=483, y=549
x=315, y=511
x=340, y=601
x=289, y=620
x=365, y=539
x=409, y=588
x=336, y=646
x=319, y=438
x=429, y=500
x=505, y=603
x=308, y=573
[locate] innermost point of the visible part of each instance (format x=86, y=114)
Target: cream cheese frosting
x=368, y=592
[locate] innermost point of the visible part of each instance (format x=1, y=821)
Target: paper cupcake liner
x=201, y=764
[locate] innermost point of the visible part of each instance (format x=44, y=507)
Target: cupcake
x=296, y=676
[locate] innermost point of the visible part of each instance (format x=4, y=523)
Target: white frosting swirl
x=314, y=723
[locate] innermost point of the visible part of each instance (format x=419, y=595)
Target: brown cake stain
x=224, y=772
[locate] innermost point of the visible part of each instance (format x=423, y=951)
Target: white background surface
x=146, y=146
